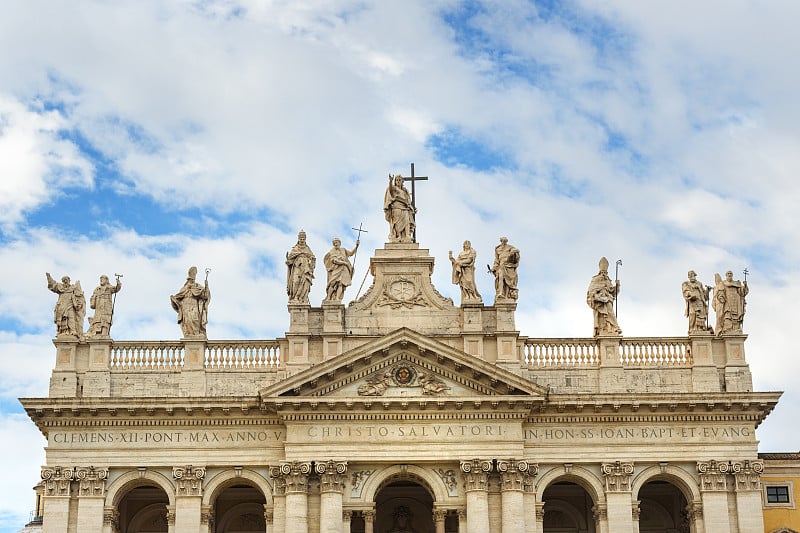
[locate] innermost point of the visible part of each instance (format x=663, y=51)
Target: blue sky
x=147, y=137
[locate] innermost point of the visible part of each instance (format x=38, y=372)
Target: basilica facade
x=402, y=412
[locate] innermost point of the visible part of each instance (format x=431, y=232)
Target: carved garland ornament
x=403, y=375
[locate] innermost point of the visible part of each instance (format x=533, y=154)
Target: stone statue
x=696, y=296
x=506, y=261
x=102, y=303
x=398, y=211
x=600, y=296
x=729, y=303
x=191, y=303
x=70, y=307
x=340, y=271
x=464, y=273
x=300, y=262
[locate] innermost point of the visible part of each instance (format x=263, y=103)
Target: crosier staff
x=114, y=297
x=616, y=287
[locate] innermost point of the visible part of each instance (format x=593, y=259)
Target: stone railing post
x=476, y=481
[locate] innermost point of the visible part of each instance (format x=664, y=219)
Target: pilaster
x=369, y=520
x=110, y=520
x=57, y=492
x=714, y=494
x=476, y=479
x=529, y=499
x=207, y=518
x=617, y=477
x=347, y=518
x=600, y=516
x=188, y=497
x=91, y=497
x=278, y=500
x=747, y=475
x=439, y=516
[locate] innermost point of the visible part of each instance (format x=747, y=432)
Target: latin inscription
x=408, y=431
x=641, y=433
x=166, y=438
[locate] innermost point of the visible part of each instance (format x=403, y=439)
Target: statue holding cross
x=400, y=209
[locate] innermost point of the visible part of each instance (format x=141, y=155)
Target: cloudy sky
x=145, y=137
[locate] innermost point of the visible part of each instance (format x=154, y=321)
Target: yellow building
x=780, y=492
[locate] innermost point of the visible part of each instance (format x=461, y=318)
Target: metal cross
x=359, y=230
x=413, y=179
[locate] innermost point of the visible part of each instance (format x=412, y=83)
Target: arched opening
x=404, y=506
x=143, y=509
x=567, y=509
x=662, y=508
x=239, y=509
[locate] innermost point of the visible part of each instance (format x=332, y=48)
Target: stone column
x=91, y=497
x=512, y=475
x=268, y=518
x=749, y=509
x=57, y=485
x=295, y=474
x=439, y=516
x=476, y=474
x=529, y=499
x=694, y=512
x=462, y=520
x=278, y=500
x=714, y=493
x=617, y=477
x=369, y=520
x=331, y=475
x=188, y=497
x=347, y=518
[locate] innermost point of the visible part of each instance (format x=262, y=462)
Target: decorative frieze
x=476, y=474
x=91, y=481
x=617, y=476
x=747, y=474
x=512, y=474
x=331, y=475
x=713, y=475
x=57, y=480
x=189, y=480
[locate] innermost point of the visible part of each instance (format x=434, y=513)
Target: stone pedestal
x=64, y=379
x=705, y=377
x=611, y=375
x=737, y=372
x=298, y=318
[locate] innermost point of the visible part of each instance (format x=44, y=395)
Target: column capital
x=694, y=510
x=293, y=476
x=269, y=516
x=462, y=515
x=91, y=481
x=57, y=480
x=512, y=474
x=476, y=473
x=170, y=515
x=748, y=475
x=369, y=515
x=617, y=476
x=539, y=511
x=599, y=512
x=189, y=480
x=332, y=475
x=636, y=510
x=713, y=475
x=439, y=515
x=347, y=515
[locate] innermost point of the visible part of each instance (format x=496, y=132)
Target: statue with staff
x=600, y=296
x=70, y=307
x=729, y=303
x=340, y=270
x=300, y=263
x=191, y=304
x=102, y=301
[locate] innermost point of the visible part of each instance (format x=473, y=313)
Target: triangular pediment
x=404, y=365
